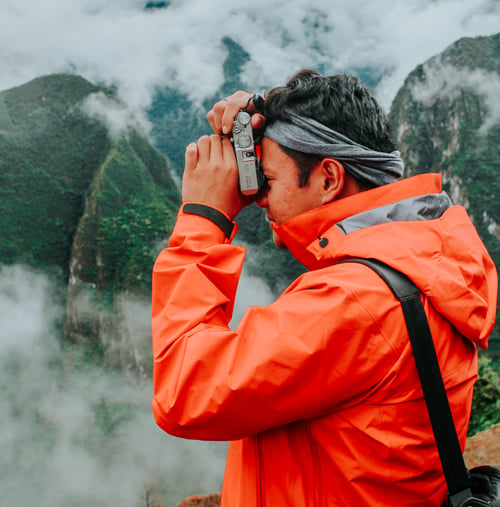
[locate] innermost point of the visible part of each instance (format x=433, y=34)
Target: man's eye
x=265, y=185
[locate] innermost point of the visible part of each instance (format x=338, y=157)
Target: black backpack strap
x=443, y=426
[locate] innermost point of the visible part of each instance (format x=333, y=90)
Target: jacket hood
x=412, y=226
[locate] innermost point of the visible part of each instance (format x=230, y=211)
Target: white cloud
x=120, y=42
x=446, y=81
x=114, y=115
x=252, y=291
x=23, y=319
x=54, y=449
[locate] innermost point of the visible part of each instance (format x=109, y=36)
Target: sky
x=118, y=42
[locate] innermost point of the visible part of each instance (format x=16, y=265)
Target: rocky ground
x=201, y=501
x=483, y=448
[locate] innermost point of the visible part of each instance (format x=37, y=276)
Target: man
x=317, y=392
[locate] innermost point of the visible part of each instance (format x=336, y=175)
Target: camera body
x=251, y=178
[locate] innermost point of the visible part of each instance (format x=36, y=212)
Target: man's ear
x=332, y=174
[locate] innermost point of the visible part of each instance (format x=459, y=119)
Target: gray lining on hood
x=422, y=207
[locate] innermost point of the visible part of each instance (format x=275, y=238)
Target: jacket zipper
x=315, y=466
x=259, y=470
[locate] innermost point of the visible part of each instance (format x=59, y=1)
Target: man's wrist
x=213, y=214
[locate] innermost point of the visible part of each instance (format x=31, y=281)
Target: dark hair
x=340, y=102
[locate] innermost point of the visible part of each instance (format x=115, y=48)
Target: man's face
x=284, y=198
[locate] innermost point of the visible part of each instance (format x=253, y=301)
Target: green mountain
x=93, y=201
x=447, y=120
x=84, y=198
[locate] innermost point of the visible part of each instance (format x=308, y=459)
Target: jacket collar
x=308, y=235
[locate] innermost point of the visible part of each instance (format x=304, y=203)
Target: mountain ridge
x=88, y=204
x=446, y=121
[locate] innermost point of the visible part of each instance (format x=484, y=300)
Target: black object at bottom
x=484, y=489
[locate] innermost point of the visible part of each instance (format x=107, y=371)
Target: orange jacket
x=318, y=391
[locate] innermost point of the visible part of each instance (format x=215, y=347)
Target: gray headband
x=306, y=135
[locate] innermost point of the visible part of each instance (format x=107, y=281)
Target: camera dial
x=243, y=117
x=244, y=141
x=250, y=174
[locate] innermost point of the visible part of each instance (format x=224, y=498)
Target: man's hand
x=211, y=172
x=211, y=175
x=223, y=113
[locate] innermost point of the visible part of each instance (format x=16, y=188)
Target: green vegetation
x=486, y=401
x=176, y=123
x=127, y=214
x=50, y=151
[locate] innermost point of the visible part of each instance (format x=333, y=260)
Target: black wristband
x=212, y=214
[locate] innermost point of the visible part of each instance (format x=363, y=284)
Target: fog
x=445, y=81
x=114, y=115
x=72, y=435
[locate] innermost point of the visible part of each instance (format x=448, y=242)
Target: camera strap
x=438, y=407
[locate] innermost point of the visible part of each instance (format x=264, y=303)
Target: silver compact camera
x=250, y=175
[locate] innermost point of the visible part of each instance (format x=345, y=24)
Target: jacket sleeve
x=284, y=362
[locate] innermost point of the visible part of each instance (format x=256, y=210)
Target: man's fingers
x=213, y=122
x=258, y=121
x=211, y=175
x=214, y=116
x=203, y=150
x=191, y=156
x=230, y=112
x=210, y=150
x=228, y=151
x=215, y=147
x=221, y=116
x=222, y=153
